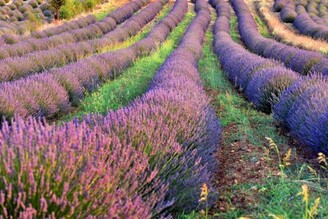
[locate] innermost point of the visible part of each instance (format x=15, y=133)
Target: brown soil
x=241, y=163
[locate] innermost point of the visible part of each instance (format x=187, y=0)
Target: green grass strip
x=262, y=27
x=134, y=81
x=234, y=28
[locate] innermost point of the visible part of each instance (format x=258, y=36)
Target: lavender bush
x=288, y=13
x=289, y=96
x=305, y=112
x=279, y=4
x=266, y=86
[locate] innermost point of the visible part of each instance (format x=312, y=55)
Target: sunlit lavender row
x=14, y=68
x=145, y=160
x=92, y=31
x=67, y=26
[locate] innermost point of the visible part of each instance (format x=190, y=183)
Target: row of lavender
x=91, y=31
x=299, y=103
x=296, y=13
x=318, y=11
x=67, y=26
x=299, y=60
x=14, y=68
x=137, y=162
x=261, y=79
x=53, y=92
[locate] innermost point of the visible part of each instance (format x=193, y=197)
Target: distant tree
x=56, y=5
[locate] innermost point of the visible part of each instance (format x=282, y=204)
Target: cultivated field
x=164, y=109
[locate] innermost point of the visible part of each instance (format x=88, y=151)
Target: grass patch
x=234, y=29
x=134, y=81
x=262, y=27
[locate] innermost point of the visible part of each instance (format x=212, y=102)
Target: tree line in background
x=66, y=9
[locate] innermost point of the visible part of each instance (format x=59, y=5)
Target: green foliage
x=56, y=5
x=262, y=27
x=234, y=28
x=74, y=7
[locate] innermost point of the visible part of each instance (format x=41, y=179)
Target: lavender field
x=164, y=109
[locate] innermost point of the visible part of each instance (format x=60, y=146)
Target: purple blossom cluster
x=74, y=170
x=302, y=110
x=14, y=68
x=92, y=31
x=307, y=26
x=299, y=60
x=288, y=13
x=137, y=162
x=74, y=80
x=278, y=5
x=263, y=80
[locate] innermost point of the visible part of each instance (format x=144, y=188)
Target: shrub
x=33, y=3
x=12, y=6
x=13, y=19
x=47, y=13
x=279, y=4
x=19, y=15
x=10, y=38
x=305, y=112
x=23, y=9
x=292, y=93
x=266, y=86
x=18, y=3
x=44, y=6
x=66, y=12
x=288, y=15
x=2, y=3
